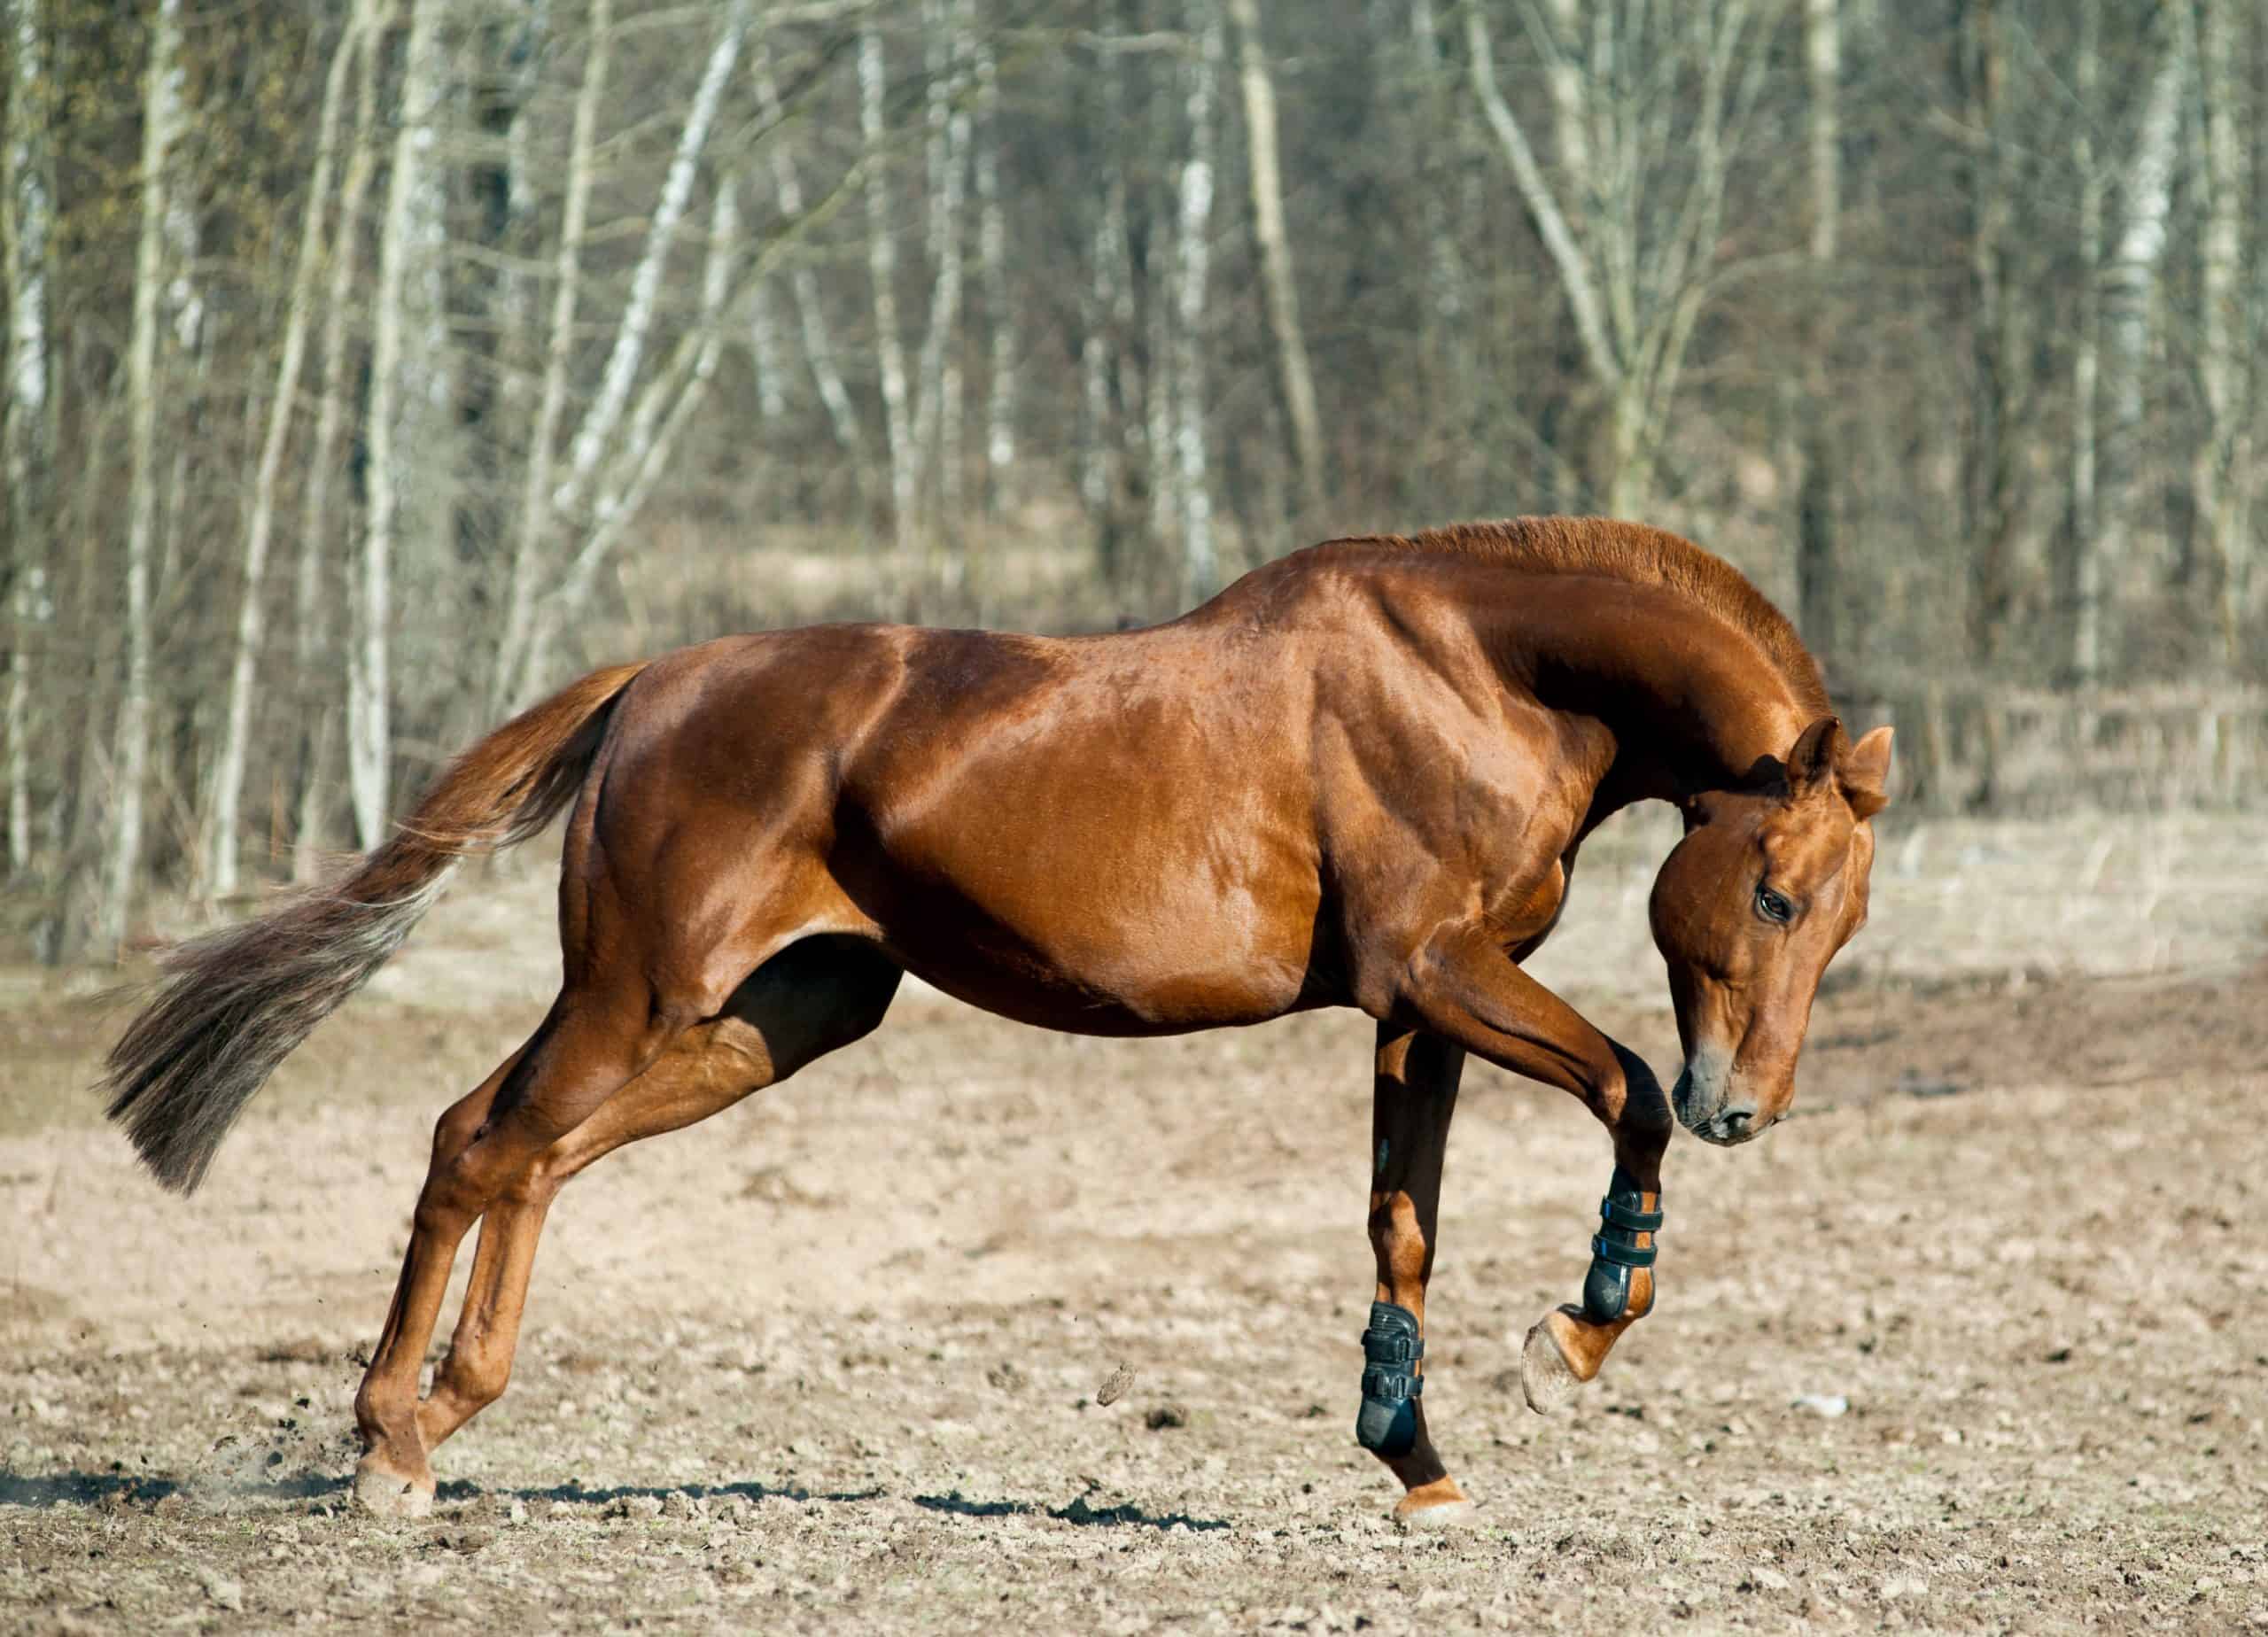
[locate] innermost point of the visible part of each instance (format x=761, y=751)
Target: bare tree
x=1815, y=544
x=311, y=617
x=1267, y=179
x=368, y=736
x=2221, y=469
x=1199, y=559
x=162, y=120
x=1638, y=266
x=27, y=440
x=594, y=437
x=228, y=772
x=992, y=257
x=1998, y=395
x=2083, y=561
x=2129, y=284
x=514, y=642
x=810, y=312
x=882, y=265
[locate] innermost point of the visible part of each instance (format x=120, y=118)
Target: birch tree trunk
x=595, y=438
x=514, y=641
x=664, y=408
x=882, y=265
x=1817, y=593
x=1266, y=180
x=2129, y=287
x=161, y=126
x=27, y=437
x=764, y=353
x=228, y=772
x=1995, y=392
x=1637, y=261
x=319, y=704
x=810, y=312
x=993, y=260
x=369, y=735
x=936, y=426
x=2083, y=561
x=1200, y=563
x=2221, y=466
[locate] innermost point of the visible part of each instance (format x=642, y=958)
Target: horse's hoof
x=1546, y=1376
x=1436, y=1514
x=388, y=1494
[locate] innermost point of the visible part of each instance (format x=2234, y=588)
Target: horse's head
x=1748, y=909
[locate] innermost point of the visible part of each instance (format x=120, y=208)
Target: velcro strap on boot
x=1615, y=1249
x=1387, y=1422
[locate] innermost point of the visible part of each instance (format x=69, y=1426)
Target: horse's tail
x=237, y=1001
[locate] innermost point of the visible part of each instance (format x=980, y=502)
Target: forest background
x=373, y=365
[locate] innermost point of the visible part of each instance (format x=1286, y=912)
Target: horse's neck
x=1692, y=701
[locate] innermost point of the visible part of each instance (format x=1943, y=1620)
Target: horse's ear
x=1865, y=773
x=1816, y=755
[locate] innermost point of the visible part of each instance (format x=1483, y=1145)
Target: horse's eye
x=1773, y=907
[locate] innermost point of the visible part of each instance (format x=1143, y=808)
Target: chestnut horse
x=1358, y=777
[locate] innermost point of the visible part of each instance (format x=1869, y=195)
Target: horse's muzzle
x=1710, y=1105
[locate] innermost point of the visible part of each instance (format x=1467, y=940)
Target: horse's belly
x=1113, y=997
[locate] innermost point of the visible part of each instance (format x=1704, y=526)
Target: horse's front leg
x=1463, y=988
x=1414, y=1095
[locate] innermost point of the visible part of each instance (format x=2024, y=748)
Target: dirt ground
x=1977, y=1343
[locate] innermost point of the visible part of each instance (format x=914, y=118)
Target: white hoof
x=1447, y=1514
x=1546, y=1376
x=389, y=1494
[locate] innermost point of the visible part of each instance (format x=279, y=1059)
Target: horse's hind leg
x=593, y=1044
x=816, y=996
x=1414, y=1096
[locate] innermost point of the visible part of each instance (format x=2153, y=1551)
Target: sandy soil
x=1975, y=1343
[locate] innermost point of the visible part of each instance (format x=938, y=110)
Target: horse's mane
x=1643, y=556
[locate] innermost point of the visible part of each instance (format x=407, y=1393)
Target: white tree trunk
x=937, y=408
x=1266, y=177
x=595, y=439
x=2128, y=286
x=810, y=312
x=882, y=265
x=2222, y=464
x=1816, y=591
x=161, y=126
x=369, y=735
x=1637, y=261
x=992, y=258
x=1200, y=558
x=26, y=221
x=513, y=642
x=653, y=429
x=591, y=438
x=2084, y=569
x=764, y=351
x=229, y=772
x=311, y=607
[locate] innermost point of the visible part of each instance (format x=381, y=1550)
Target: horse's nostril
x=1736, y=1120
